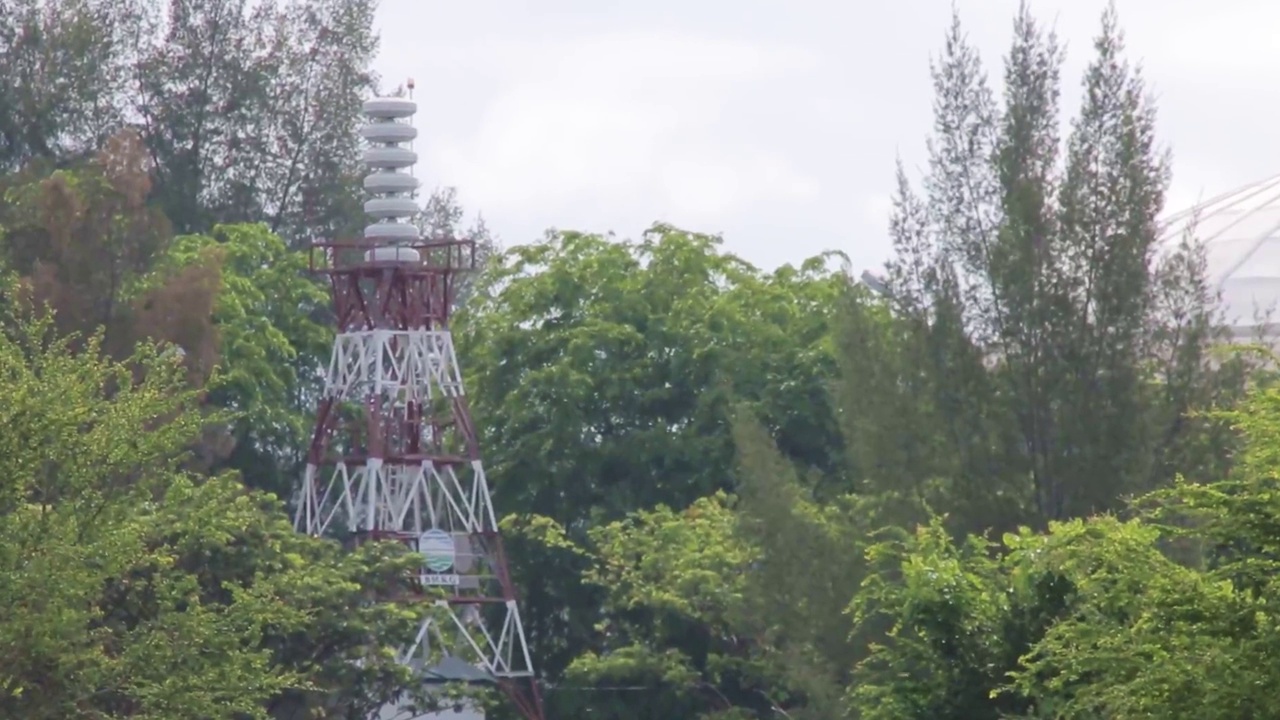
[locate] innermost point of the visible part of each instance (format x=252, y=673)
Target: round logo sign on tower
x=439, y=554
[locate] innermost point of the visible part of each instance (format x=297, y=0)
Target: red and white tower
x=394, y=453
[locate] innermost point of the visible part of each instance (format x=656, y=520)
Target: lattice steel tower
x=394, y=453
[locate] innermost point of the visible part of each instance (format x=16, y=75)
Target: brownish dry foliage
x=83, y=241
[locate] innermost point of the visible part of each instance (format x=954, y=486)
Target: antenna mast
x=394, y=454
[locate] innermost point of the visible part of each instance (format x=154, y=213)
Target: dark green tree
x=443, y=216
x=603, y=375
x=1094, y=618
x=250, y=112
x=1048, y=275
x=602, y=371
x=808, y=560
x=64, y=71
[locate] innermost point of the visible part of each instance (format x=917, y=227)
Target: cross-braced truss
x=394, y=455
x=380, y=497
x=403, y=365
x=502, y=652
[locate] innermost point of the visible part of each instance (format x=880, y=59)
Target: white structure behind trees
x=1240, y=232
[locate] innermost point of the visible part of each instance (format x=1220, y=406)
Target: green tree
x=63, y=69
x=603, y=375
x=602, y=371
x=1097, y=618
x=674, y=582
x=248, y=110
x=1047, y=273
x=271, y=342
x=732, y=607
x=1156, y=638
x=238, y=302
x=133, y=589
x=936, y=659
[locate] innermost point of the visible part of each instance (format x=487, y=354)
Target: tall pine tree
x=1061, y=352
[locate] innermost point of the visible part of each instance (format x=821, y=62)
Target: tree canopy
x=119, y=563
x=1023, y=477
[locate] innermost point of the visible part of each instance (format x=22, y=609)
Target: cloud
x=624, y=127
x=703, y=191
x=776, y=123
x=1229, y=41
x=877, y=209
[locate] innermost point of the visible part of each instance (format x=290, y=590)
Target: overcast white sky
x=773, y=122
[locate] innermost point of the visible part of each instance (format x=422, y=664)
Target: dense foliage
x=135, y=588
x=1022, y=482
